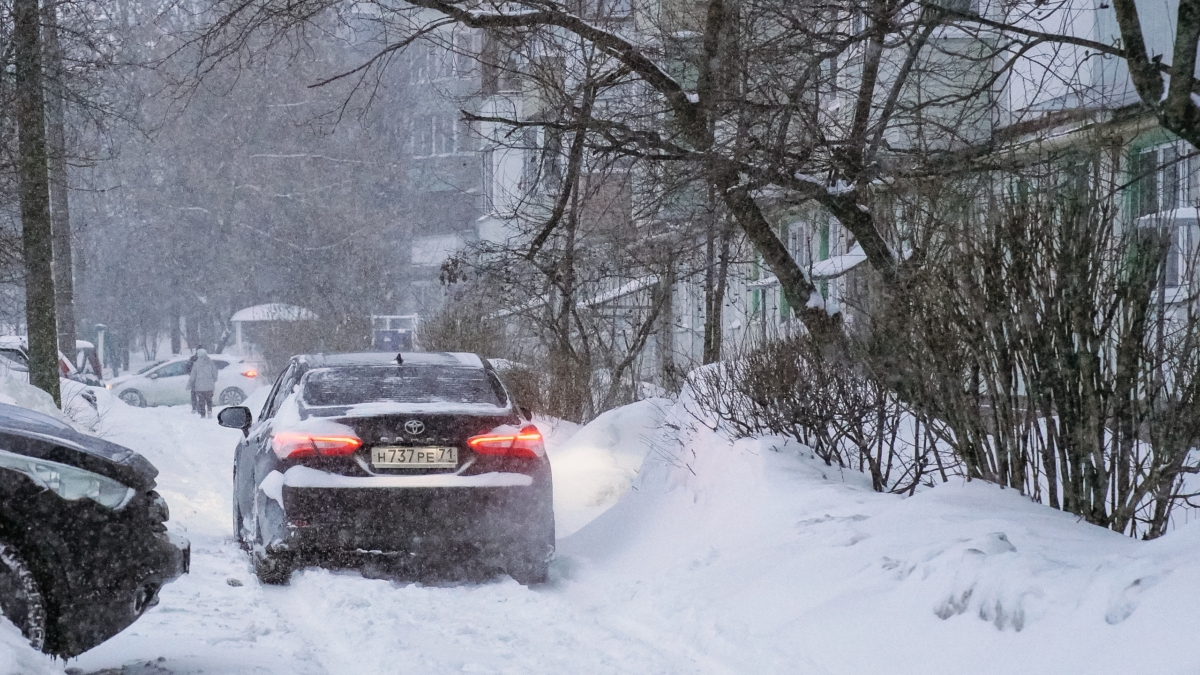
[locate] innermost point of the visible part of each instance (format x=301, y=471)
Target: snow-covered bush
x=834, y=405
x=1058, y=342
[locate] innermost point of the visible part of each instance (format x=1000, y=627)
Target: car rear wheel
x=273, y=570
x=238, y=533
x=21, y=598
x=529, y=565
x=270, y=568
x=133, y=397
x=231, y=396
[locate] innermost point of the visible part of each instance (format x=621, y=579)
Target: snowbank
x=594, y=466
x=765, y=556
x=15, y=392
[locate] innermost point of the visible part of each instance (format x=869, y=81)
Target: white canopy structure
x=271, y=311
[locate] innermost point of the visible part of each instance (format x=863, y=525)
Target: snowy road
x=219, y=619
x=721, y=558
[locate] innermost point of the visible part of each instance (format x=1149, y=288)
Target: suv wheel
x=21, y=598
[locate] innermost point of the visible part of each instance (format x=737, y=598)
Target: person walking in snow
x=202, y=380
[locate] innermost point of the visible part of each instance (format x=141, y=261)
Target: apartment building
x=1054, y=96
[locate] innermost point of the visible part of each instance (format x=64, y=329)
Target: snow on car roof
x=461, y=359
x=185, y=357
x=22, y=341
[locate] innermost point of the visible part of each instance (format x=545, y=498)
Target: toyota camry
x=415, y=457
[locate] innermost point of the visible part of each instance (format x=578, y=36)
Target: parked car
x=84, y=548
x=15, y=348
x=165, y=382
x=424, y=457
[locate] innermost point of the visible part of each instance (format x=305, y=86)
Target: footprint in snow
x=1124, y=602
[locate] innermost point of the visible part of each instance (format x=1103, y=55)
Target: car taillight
x=292, y=445
x=250, y=373
x=525, y=443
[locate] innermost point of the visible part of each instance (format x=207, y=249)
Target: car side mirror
x=236, y=417
x=526, y=412
x=153, y=376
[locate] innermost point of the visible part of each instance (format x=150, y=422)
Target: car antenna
x=400, y=359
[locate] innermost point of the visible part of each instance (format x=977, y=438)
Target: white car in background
x=14, y=349
x=165, y=382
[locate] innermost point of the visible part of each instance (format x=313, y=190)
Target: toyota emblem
x=414, y=427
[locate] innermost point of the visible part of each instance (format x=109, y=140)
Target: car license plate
x=394, y=457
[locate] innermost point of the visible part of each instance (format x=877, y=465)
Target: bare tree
x=64, y=271
x=37, y=233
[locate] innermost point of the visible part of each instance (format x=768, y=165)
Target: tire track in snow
x=357, y=625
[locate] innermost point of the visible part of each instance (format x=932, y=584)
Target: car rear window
x=353, y=385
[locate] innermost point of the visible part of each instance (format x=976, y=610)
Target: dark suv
x=411, y=457
x=84, y=548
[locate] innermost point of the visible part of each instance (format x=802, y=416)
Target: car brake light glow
x=250, y=373
x=293, y=445
x=526, y=443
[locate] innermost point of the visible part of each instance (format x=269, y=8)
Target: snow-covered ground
x=679, y=552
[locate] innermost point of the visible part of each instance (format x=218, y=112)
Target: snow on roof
x=1184, y=213
x=839, y=264
x=823, y=269
x=273, y=311
x=628, y=288
x=625, y=289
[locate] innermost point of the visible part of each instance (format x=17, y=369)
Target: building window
x=964, y=6
x=466, y=51
x=445, y=135
x=465, y=136
x=1145, y=171
x=529, y=156
x=1176, y=265
x=1164, y=178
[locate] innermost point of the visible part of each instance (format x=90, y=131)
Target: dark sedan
x=84, y=547
x=413, y=458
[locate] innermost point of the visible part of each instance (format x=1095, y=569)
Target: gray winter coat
x=204, y=373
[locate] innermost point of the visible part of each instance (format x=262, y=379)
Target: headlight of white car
x=69, y=482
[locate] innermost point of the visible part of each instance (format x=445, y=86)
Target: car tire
x=21, y=598
x=271, y=570
x=133, y=397
x=528, y=566
x=231, y=396
x=238, y=535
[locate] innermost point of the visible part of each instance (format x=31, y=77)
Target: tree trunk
x=176, y=334
x=34, y=188
x=715, y=282
x=60, y=220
